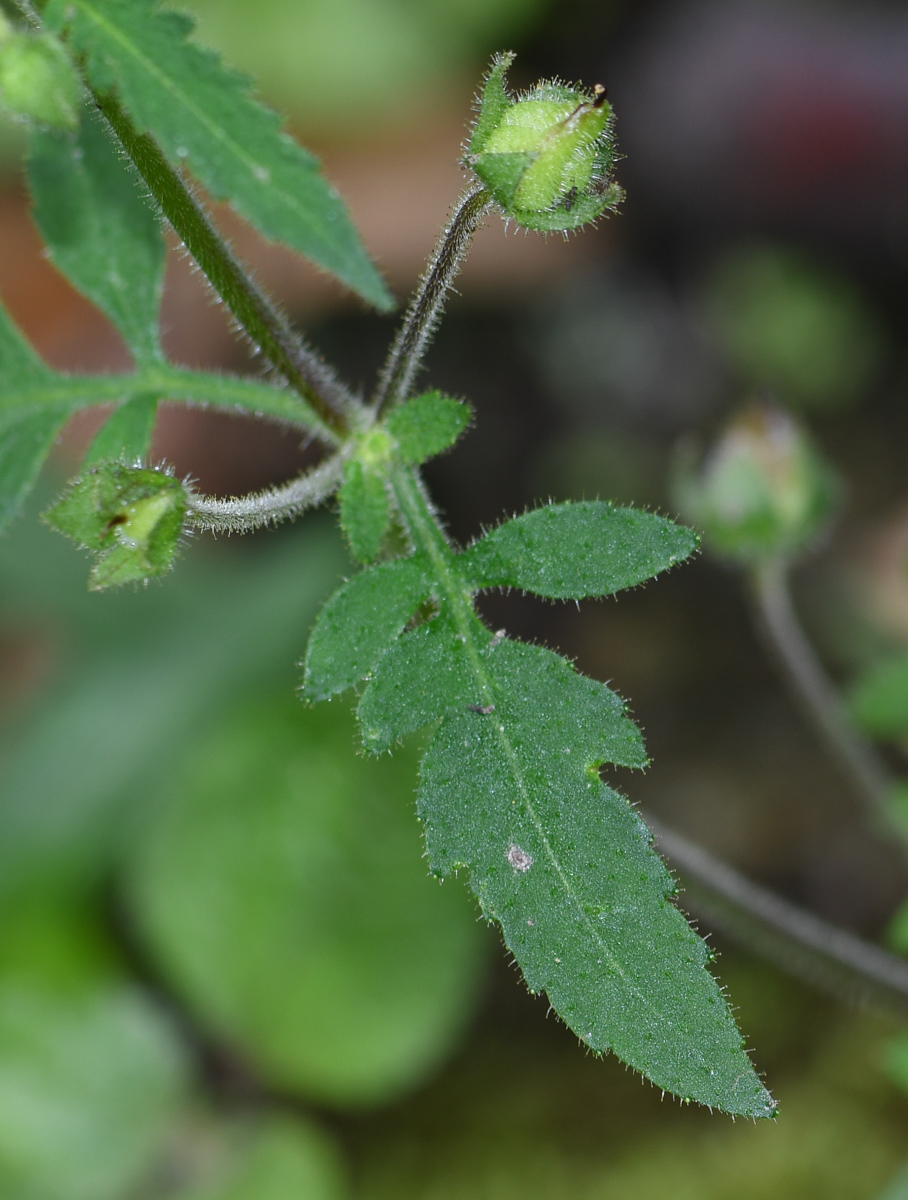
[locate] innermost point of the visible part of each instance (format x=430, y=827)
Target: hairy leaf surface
x=99, y=230
x=358, y=624
x=568, y=551
x=566, y=867
x=421, y=677
x=427, y=425
x=202, y=114
x=365, y=510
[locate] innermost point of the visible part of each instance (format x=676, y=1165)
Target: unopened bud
x=131, y=519
x=546, y=157
x=763, y=489
x=37, y=79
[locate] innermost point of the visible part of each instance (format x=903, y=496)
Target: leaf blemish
x=519, y=859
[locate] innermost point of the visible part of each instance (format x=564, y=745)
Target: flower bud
x=546, y=157
x=763, y=489
x=131, y=518
x=37, y=79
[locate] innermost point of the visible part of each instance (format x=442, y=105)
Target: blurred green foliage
x=793, y=327
x=330, y=61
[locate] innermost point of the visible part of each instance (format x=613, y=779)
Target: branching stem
x=831, y=958
x=816, y=694
x=428, y=301
x=261, y=321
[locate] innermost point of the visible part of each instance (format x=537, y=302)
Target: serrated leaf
x=100, y=231
x=202, y=114
x=569, y=551
x=421, y=677
x=359, y=623
x=880, y=700
x=126, y=435
x=566, y=867
x=365, y=510
x=427, y=425
x=282, y=890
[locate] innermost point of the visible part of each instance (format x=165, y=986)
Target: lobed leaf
x=202, y=114
x=566, y=867
x=359, y=623
x=427, y=425
x=569, y=551
x=99, y=230
x=26, y=440
x=421, y=677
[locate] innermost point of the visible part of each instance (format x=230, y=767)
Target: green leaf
x=427, y=425
x=90, y=1086
x=568, y=551
x=880, y=700
x=277, y=1160
x=566, y=867
x=100, y=231
x=365, y=510
x=25, y=442
x=127, y=433
x=424, y=675
x=359, y=623
x=203, y=115
x=282, y=890
x=130, y=517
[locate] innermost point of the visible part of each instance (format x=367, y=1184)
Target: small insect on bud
x=547, y=156
x=131, y=518
x=763, y=489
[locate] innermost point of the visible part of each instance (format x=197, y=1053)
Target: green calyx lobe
x=547, y=156
x=510, y=788
x=130, y=518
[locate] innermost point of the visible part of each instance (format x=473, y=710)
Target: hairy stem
x=796, y=940
x=428, y=302
x=817, y=695
x=247, y=513
x=261, y=321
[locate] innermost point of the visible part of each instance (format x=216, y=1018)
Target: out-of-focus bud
x=37, y=79
x=763, y=489
x=131, y=518
x=547, y=156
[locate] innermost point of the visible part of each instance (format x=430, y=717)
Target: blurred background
x=223, y=973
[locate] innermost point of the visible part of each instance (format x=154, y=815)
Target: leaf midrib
x=217, y=131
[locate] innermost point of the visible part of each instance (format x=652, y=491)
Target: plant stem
x=427, y=305
x=246, y=513
x=817, y=695
x=831, y=958
x=260, y=320
x=229, y=393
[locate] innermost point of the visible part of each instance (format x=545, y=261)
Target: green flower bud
x=546, y=157
x=763, y=489
x=37, y=79
x=131, y=518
